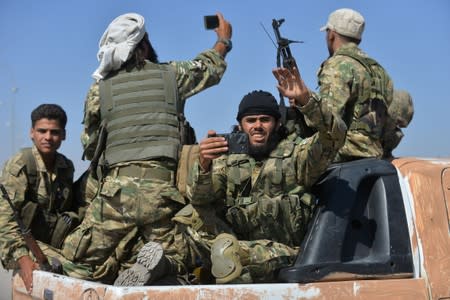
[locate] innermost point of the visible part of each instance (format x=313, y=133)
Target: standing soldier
x=355, y=85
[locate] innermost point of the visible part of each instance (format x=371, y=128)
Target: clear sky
x=49, y=48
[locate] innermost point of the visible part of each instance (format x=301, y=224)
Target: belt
x=145, y=173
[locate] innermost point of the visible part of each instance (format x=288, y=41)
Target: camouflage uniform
x=40, y=202
x=267, y=203
x=347, y=86
x=401, y=112
x=136, y=207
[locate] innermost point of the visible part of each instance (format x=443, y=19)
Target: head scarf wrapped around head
x=117, y=43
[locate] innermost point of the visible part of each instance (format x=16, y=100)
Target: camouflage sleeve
x=315, y=154
x=12, y=245
x=337, y=84
x=205, y=188
x=200, y=73
x=91, y=121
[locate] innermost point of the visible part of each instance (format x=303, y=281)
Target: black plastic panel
x=359, y=226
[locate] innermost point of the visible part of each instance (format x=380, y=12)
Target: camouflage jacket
x=346, y=85
x=192, y=77
x=53, y=196
x=269, y=199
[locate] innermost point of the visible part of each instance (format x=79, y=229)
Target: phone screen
x=211, y=22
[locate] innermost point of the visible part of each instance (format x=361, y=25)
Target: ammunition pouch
x=284, y=216
x=242, y=216
x=65, y=223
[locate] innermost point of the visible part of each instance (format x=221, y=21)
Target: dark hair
x=51, y=112
x=143, y=51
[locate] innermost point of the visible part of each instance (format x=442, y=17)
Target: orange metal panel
x=429, y=186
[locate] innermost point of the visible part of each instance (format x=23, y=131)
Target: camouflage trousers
x=260, y=258
x=81, y=271
x=127, y=213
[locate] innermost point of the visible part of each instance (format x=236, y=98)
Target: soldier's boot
x=227, y=258
x=151, y=264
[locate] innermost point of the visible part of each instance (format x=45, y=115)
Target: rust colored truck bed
x=381, y=230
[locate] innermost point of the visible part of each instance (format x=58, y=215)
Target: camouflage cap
x=401, y=108
x=346, y=22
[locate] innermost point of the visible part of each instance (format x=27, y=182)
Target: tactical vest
x=370, y=115
x=141, y=111
x=43, y=215
x=275, y=206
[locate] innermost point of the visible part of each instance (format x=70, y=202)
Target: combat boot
x=151, y=265
x=227, y=258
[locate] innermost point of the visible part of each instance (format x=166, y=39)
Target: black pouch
x=65, y=223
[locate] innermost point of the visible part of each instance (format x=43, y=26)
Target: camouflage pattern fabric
x=125, y=204
x=15, y=179
x=268, y=203
x=263, y=258
x=402, y=109
x=401, y=112
x=133, y=203
x=346, y=84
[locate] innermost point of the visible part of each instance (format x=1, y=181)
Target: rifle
x=285, y=58
x=30, y=241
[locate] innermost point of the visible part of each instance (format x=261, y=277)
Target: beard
x=260, y=152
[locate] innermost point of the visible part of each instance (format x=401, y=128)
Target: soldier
x=265, y=193
x=137, y=105
x=355, y=85
x=401, y=112
x=39, y=183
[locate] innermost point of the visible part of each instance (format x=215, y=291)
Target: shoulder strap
x=30, y=163
x=365, y=61
x=379, y=79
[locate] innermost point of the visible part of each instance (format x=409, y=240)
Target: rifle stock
x=28, y=237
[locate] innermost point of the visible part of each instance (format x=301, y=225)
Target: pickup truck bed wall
x=425, y=190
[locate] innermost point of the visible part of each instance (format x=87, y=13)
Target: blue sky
x=48, y=54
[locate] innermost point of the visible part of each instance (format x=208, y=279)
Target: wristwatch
x=227, y=42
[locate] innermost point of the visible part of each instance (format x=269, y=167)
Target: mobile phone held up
x=211, y=22
x=238, y=142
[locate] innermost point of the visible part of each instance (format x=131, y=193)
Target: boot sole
x=149, y=264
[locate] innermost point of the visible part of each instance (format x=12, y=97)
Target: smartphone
x=238, y=142
x=211, y=22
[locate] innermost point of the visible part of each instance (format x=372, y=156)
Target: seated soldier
x=264, y=193
x=39, y=182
